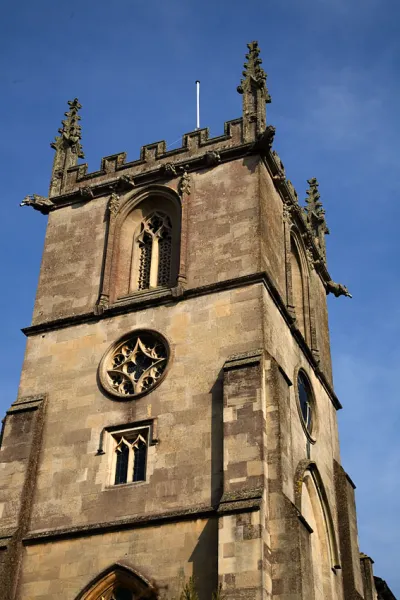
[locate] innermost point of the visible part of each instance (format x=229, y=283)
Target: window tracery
x=131, y=453
x=155, y=249
x=135, y=364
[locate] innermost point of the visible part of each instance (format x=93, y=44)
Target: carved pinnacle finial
x=313, y=196
x=315, y=215
x=253, y=71
x=67, y=146
x=71, y=130
x=253, y=87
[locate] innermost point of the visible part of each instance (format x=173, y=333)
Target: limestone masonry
x=175, y=431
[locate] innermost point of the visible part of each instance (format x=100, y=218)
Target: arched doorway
x=119, y=582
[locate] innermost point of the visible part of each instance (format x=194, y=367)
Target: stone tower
x=176, y=416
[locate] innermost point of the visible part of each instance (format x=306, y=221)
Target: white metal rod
x=198, y=104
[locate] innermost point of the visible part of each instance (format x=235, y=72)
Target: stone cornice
x=102, y=183
x=142, y=302
x=249, y=502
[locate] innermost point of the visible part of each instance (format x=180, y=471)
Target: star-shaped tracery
x=136, y=364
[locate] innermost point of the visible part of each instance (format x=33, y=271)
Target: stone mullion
x=154, y=262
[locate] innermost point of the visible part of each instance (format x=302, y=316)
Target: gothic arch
x=130, y=228
x=312, y=503
x=305, y=467
x=299, y=284
x=118, y=575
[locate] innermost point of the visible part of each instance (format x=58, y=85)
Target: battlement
x=156, y=162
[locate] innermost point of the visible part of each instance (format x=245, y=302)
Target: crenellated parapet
x=155, y=163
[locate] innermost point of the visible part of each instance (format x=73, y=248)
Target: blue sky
x=333, y=75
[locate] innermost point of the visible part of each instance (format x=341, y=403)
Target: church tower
x=176, y=420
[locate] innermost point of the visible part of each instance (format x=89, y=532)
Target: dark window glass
x=305, y=398
x=139, y=467
x=121, y=471
x=123, y=594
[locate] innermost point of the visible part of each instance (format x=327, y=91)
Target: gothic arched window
x=322, y=549
x=118, y=583
x=143, y=247
x=299, y=292
x=131, y=454
x=154, y=246
x=298, y=288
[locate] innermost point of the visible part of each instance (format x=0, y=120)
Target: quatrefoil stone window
x=135, y=364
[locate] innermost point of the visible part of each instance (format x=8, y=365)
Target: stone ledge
x=25, y=403
x=187, y=514
x=247, y=359
x=252, y=494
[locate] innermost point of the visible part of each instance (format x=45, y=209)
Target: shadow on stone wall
x=205, y=561
x=217, y=440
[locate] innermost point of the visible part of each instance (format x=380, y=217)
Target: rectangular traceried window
x=130, y=448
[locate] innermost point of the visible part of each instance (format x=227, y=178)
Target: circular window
x=306, y=400
x=135, y=364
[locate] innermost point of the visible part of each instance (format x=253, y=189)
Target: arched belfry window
x=299, y=289
x=146, y=239
x=154, y=247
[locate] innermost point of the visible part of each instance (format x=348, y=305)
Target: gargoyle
x=266, y=139
x=37, y=202
x=126, y=181
x=337, y=289
x=86, y=192
x=168, y=169
x=213, y=158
